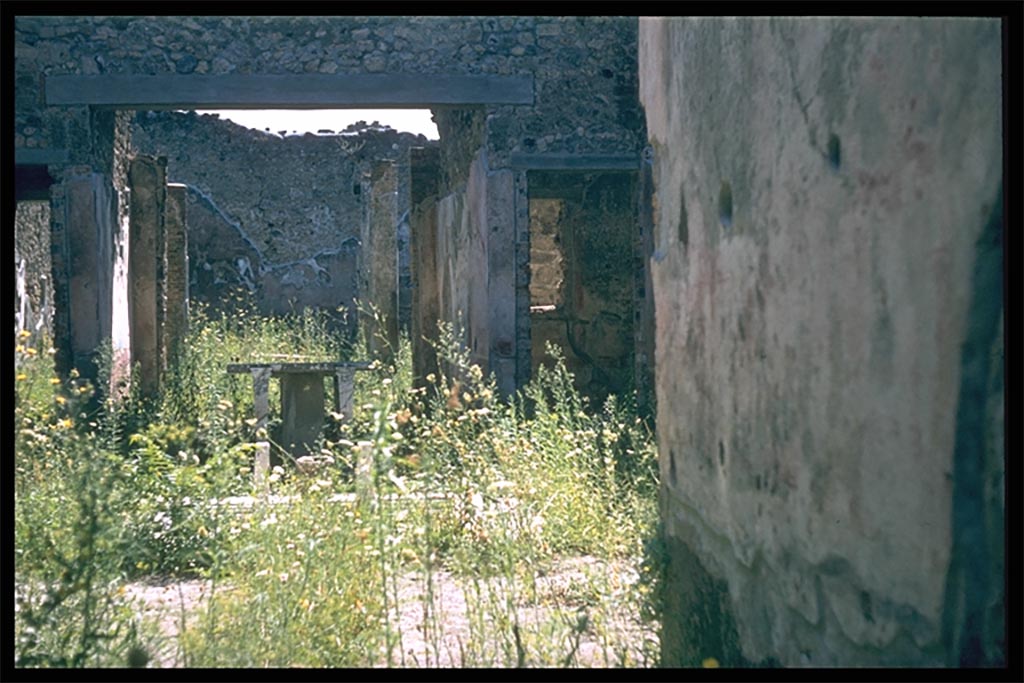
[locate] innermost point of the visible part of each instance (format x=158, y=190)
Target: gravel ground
x=566, y=592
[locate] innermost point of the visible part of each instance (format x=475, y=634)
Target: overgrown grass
x=532, y=512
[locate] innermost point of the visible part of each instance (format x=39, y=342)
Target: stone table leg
x=261, y=471
x=261, y=405
x=344, y=386
x=261, y=396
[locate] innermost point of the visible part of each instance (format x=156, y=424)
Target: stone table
x=302, y=399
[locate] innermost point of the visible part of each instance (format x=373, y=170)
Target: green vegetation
x=449, y=526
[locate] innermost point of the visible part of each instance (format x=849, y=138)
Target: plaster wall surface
x=825, y=190
x=462, y=261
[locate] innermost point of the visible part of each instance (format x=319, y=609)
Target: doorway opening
x=581, y=275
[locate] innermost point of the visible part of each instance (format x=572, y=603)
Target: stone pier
x=84, y=263
x=146, y=267
x=380, y=256
x=176, y=285
x=499, y=224
x=423, y=169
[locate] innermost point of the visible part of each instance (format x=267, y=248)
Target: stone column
x=176, y=287
x=423, y=172
x=146, y=267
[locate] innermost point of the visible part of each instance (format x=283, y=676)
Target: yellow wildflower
x=710, y=663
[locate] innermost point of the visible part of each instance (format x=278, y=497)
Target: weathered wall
x=176, y=280
x=280, y=217
x=477, y=245
x=826, y=276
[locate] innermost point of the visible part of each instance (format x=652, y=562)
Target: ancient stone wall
x=462, y=261
x=147, y=266
x=280, y=217
x=176, y=281
x=826, y=270
x=584, y=67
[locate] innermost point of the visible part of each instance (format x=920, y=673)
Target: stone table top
x=299, y=367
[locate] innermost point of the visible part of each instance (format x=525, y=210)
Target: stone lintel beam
x=574, y=162
x=311, y=91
